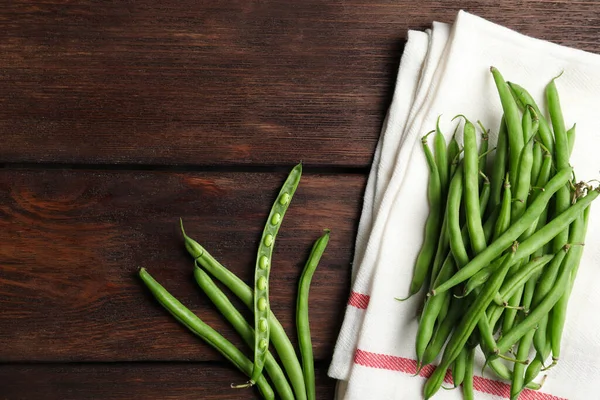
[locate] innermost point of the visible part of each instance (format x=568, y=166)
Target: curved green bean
x=426, y=256
x=458, y=368
x=205, y=332
x=302, y=324
x=571, y=138
x=243, y=328
x=471, y=188
x=262, y=270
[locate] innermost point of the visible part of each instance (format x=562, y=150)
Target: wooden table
x=117, y=118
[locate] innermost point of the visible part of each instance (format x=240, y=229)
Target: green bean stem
x=279, y=338
x=243, y=328
x=262, y=270
x=205, y=332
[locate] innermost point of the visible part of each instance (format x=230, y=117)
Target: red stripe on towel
x=359, y=300
x=409, y=366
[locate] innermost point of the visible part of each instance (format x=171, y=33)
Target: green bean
x=279, y=338
x=302, y=324
x=484, y=196
x=464, y=329
x=571, y=138
x=468, y=393
x=205, y=332
x=521, y=277
x=423, y=265
x=471, y=188
x=503, y=221
x=442, y=332
x=498, y=168
x=457, y=245
x=533, y=370
x=483, y=275
x=441, y=157
x=483, y=148
x=431, y=311
x=523, y=99
x=228, y=310
x=537, y=162
x=442, y=249
x=453, y=153
x=559, y=312
x=262, y=270
x=513, y=123
x=561, y=156
x=459, y=366
x=518, y=380
x=512, y=233
x=523, y=176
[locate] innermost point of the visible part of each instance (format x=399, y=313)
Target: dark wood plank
x=133, y=381
x=72, y=241
x=223, y=82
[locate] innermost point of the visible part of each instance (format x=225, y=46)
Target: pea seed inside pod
x=284, y=199
x=275, y=219
x=264, y=344
x=268, y=240
x=262, y=283
x=264, y=262
x=262, y=304
x=262, y=325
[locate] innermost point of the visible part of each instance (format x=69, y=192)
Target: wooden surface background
x=119, y=117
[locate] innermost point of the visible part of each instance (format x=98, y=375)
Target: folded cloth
x=375, y=349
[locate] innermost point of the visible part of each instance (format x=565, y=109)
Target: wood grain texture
x=73, y=240
x=223, y=82
x=126, y=381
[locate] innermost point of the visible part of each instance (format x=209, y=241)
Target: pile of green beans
x=287, y=377
x=502, y=245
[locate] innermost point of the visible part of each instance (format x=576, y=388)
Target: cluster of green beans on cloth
x=287, y=377
x=503, y=241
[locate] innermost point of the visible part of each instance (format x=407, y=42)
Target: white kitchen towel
x=383, y=357
x=419, y=63
x=409, y=76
